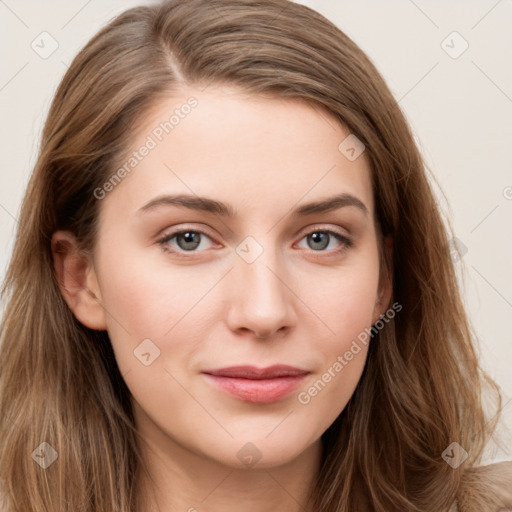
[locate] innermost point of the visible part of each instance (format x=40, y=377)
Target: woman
x=174, y=336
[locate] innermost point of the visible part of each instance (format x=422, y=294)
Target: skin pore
x=205, y=301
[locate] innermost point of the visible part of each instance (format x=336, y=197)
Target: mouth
x=257, y=385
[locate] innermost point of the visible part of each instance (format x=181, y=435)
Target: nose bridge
x=261, y=300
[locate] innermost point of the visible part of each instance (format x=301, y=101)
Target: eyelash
x=346, y=243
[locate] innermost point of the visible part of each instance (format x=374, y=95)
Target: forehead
x=247, y=150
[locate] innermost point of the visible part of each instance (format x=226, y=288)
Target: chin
x=260, y=452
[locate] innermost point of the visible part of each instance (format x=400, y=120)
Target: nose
x=261, y=298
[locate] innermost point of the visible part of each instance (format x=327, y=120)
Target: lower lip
x=262, y=391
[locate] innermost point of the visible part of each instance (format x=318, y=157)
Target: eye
x=319, y=240
x=187, y=240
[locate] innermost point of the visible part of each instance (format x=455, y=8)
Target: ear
x=77, y=281
x=385, y=290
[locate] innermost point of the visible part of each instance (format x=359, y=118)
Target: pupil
x=317, y=238
x=188, y=238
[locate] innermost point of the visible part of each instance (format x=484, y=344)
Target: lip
x=257, y=385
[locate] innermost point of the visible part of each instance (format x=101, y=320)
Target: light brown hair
x=59, y=382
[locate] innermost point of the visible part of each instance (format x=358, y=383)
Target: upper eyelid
x=314, y=227
x=303, y=232
x=178, y=231
x=319, y=227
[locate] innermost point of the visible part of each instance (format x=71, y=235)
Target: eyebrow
x=206, y=204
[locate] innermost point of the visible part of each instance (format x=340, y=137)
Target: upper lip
x=252, y=372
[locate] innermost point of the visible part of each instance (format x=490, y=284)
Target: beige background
x=459, y=104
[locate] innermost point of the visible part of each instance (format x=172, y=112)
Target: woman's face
x=251, y=281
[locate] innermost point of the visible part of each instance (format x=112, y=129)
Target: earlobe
x=77, y=281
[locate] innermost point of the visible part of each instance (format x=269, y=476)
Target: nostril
x=269, y=335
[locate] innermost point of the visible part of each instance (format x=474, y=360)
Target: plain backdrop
x=449, y=65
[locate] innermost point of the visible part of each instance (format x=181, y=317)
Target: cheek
x=346, y=307
x=179, y=307
x=345, y=301
x=161, y=301
x=343, y=356
x=157, y=303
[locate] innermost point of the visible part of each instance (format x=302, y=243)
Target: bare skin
x=301, y=302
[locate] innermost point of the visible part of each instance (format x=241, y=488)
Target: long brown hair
x=59, y=382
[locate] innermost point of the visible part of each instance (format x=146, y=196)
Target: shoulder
x=485, y=489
